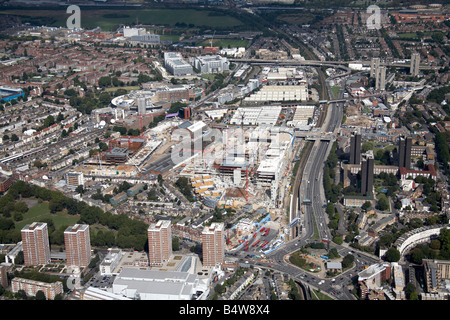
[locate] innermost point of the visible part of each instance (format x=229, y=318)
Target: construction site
x=241, y=167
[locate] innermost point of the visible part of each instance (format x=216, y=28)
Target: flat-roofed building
x=367, y=166
x=415, y=63
x=355, y=149
x=280, y=93
x=31, y=287
x=159, y=242
x=211, y=64
x=75, y=179
x=435, y=274
x=5, y=182
x=213, y=243
x=174, y=63
x=404, y=153
x=375, y=275
x=78, y=245
x=35, y=244
x=110, y=262
x=147, y=39
x=159, y=285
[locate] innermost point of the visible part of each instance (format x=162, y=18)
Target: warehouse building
x=158, y=285
x=280, y=93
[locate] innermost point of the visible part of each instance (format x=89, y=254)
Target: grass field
x=335, y=90
x=128, y=88
x=40, y=211
x=110, y=19
x=225, y=43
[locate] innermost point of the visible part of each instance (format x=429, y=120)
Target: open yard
x=41, y=211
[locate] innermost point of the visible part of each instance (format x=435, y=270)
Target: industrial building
x=256, y=115
x=302, y=115
x=183, y=284
x=280, y=93
x=146, y=39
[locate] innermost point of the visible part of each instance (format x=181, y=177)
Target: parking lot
x=102, y=282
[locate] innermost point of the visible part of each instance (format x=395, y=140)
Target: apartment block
x=213, y=242
x=159, y=242
x=415, y=62
x=31, y=287
x=404, y=152
x=367, y=169
x=380, y=78
x=78, y=245
x=374, y=64
x=436, y=273
x=355, y=149
x=36, y=247
x=74, y=179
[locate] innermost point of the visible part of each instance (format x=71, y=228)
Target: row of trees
x=332, y=190
x=185, y=188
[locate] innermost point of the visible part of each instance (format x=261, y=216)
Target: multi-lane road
x=315, y=220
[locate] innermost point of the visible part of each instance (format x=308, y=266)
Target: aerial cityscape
x=224, y=150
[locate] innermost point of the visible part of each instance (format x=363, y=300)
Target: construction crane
x=212, y=38
x=246, y=177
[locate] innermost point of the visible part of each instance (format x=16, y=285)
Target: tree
x=347, y=261
x=175, y=244
x=366, y=205
x=393, y=255
x=219, y=288
x=383, y=203
x=79, y=189
x=410, y=291
x=417, y=256
x=338, y=240
x=40, y=295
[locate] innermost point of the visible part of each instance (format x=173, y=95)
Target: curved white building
x=410, y=239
